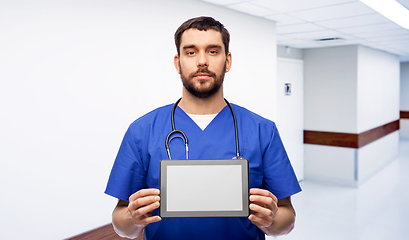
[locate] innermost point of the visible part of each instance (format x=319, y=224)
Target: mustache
x=203, y=70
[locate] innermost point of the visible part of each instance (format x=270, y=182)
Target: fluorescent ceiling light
x=391, y=9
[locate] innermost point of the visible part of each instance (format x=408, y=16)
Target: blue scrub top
x=137, y=165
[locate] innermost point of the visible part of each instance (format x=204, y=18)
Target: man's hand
x=130, y=218
x=273, y=217
x=141, y=204
x=263, y=206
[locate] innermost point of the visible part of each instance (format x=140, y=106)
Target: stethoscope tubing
x=174, y=130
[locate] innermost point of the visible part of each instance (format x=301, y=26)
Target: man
x=202, y=59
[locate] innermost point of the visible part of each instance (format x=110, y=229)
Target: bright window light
x=391, y=9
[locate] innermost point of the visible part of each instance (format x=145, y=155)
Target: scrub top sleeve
x=127, y=175
x=279, y=175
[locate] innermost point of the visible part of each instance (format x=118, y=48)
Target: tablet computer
x=204, y=188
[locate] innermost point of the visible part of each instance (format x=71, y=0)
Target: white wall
x=404, y=129
x=378, y=88
x=404, y=99
x=74, y=74
x=404, y=86
x=378, y=104
x=290, y=111
x=288, y=52
x=330, y=164
x=330, y=80
x=375, y=156
x=330, y=92
x=349, y=89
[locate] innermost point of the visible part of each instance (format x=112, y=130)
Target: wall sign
x=287, y=89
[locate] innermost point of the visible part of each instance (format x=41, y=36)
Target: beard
x=202, y=91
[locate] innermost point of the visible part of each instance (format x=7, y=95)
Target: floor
x=378, y=209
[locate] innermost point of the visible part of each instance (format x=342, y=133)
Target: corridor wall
x=404, y=100
x=351, y=104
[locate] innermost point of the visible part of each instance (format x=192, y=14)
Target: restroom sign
x=287, y=89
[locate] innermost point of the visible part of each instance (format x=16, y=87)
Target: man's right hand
x=141, y=204
x=130, y=218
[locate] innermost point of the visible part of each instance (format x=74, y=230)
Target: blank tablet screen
x=204, y=188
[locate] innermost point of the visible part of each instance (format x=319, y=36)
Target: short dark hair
x=202, y=23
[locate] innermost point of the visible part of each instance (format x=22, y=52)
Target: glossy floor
x=378, y=209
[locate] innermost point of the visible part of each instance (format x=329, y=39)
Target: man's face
x=202, y=62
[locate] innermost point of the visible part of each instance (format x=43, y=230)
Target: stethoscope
x=184, y=137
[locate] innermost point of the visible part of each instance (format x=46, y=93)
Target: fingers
x=263, y=206
x=144, y=220
x=263, y=197
x=143, y=193
x=269, y=201
x=259, y=210
x=261, y=216
x=144, y=205
x=260, y=221
x=141, y=205
x=144, y=202
x=142, y=198
x=262, y=192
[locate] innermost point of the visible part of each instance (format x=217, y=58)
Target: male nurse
x=202, y=60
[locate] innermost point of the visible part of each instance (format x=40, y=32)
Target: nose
x=202, y=61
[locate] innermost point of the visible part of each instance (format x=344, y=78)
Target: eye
x=213, y=52
x=190, y=53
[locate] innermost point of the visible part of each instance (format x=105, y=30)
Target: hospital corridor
x=86, y=82
x=378, y=209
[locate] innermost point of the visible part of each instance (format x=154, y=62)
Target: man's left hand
x=263, y=206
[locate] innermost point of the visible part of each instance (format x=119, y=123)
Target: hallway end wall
x=404, y=100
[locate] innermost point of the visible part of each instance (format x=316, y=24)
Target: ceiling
x=301, y=23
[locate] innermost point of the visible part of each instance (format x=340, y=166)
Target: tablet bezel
x=197, y=214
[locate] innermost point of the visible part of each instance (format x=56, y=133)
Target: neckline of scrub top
x=202, y=120
x=211, y=122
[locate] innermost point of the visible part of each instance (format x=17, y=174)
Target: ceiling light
x=391, y=9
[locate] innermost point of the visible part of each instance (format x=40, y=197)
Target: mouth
x=202, y=76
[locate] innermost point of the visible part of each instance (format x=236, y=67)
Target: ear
x=176, y=61
x=228, y=61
